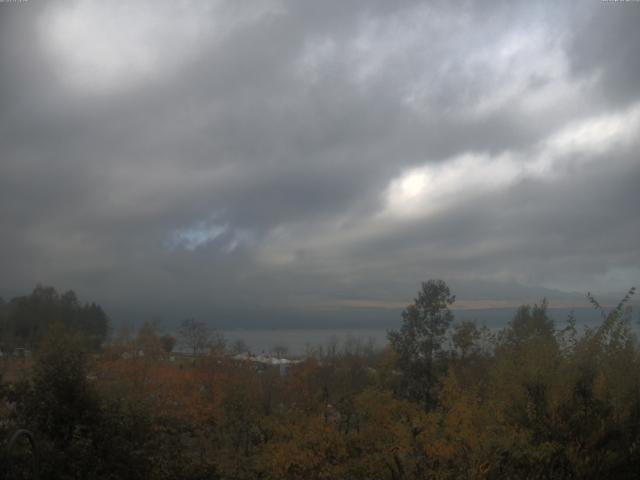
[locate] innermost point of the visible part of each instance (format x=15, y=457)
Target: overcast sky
x=201, y=158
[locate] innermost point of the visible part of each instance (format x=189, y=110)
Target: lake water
x=298, y=342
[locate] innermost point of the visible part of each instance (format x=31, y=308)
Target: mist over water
x=299, y=341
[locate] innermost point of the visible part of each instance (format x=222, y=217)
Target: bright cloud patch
x=101, y=47
x=598, y=134
x=196, y=236
x=429, y=188
x=424, y=190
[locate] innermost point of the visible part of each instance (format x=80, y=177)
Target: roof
x=266, y=359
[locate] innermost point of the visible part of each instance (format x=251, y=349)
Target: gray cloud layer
x=213, y=157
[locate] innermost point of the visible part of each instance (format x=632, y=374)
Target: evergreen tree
x=419, y=341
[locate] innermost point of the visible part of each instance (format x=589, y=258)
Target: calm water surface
x=298, y=342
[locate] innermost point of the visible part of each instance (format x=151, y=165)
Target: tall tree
x=148, y=341
x=529, y=323
x=239, y=346
x=168, y=342
x=195, y=335
x=419, y=341
x=61, y=397
x=466, y=336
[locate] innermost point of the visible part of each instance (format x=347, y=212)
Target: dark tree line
x=25, y=320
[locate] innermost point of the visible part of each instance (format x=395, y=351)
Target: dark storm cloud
x=199, y=157
x=606, y=46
